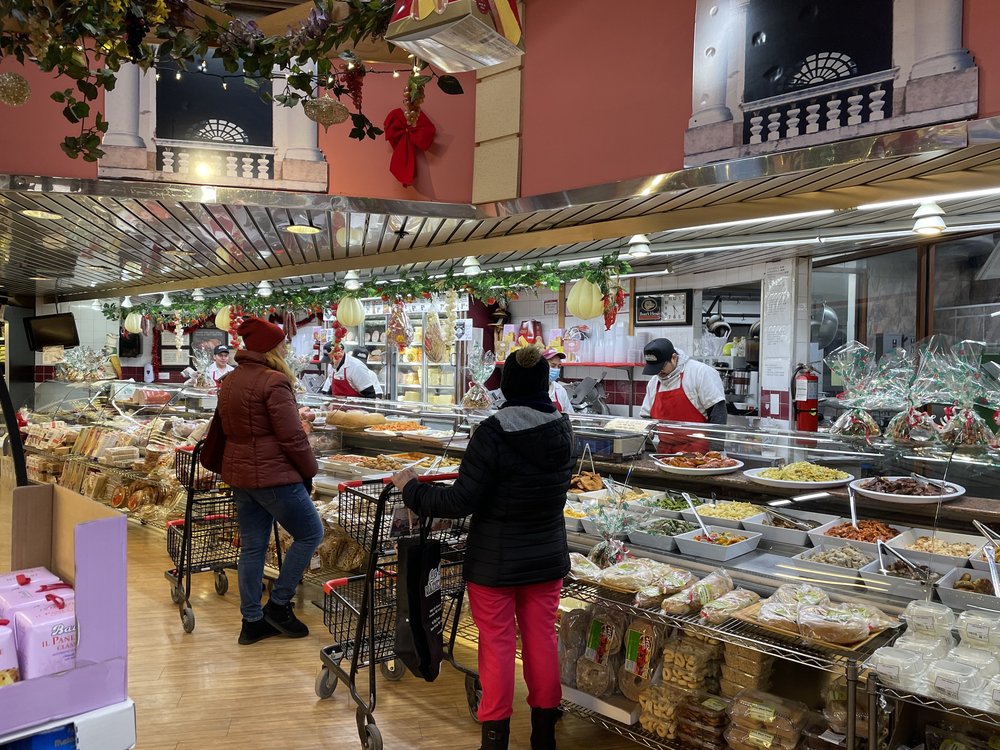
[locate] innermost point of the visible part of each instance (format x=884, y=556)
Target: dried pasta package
x=573, y=628
x=604, y=635
x=710, y=587
x=721, y=609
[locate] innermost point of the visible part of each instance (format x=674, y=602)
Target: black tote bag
x=419, y=627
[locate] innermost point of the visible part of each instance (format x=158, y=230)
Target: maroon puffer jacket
x=265, y=443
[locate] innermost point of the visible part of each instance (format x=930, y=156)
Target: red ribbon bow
x=22, y=579
x=57, y=600
x=405, y=140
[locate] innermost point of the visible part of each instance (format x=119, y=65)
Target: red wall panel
x=444, y=171
x=980, y=20
x=607, y=91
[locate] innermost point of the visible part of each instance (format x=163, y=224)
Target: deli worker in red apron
x=684, y=390
x=350, y=377
x=557, y=391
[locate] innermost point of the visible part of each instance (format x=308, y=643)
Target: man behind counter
x=684, y=390
x=350, y=375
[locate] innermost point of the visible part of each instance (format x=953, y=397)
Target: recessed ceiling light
x=35, y=214
x=302, y=229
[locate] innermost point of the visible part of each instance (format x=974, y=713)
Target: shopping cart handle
x=338, y=582
x=176, y=522
x=386, y=480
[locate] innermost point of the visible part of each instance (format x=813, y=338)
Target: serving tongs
x=619, y=489
x=990, y=550
x=924, y=576
x=853, y=505
x=697, y=517
x=942, y=487
x=797, y=523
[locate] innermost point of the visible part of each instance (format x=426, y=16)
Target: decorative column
x=302, y=162
x=937, y=35
x=711, y=63
x=123, y=147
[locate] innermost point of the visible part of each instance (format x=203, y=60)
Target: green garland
x=490, y=286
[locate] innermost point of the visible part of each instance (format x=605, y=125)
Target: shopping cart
x=360, y=610
x=207, y=539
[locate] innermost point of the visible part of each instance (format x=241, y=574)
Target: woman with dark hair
x=270, y=465
x=512, y=482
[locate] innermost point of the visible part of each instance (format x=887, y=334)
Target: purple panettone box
x=45, y=634
x=83, y=543
x=14, y=600
x=18, y=578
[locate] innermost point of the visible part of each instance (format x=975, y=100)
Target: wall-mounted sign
x=671, y=308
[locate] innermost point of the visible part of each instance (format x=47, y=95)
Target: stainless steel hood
x=118, y=237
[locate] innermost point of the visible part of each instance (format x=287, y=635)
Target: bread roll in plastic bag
x=719, y=610
x=435, y=348
x=398, y=329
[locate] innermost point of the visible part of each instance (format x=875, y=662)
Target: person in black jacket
x=512, y=482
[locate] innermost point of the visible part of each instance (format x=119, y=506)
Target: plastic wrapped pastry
x=435, y=348
x=912, y=425
x=855, y=423
x=966, y=429
x=628, y=575
x=583, y=568
x=719, y=610
x=398, y=329
x=799, y=595
x=833, y=623
x=568, y=658
x=640, y=650
x=779, y=615
x=711, y=587
x=573, y=628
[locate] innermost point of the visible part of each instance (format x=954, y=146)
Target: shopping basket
x=360, y=611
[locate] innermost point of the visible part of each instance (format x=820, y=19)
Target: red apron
x=676, y=406
x=341, y=387
x=555, y=400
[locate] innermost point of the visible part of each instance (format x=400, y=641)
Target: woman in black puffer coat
x=513, y=483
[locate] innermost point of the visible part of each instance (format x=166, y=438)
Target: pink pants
x=496, y=610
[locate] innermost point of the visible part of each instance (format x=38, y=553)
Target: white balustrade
x=756, y=125
x=216, y=159
x=168, y=160
x=247, y=166
x=833, y=114
x=773, y=124
x=876, y=104
x=812, y=119
x=231, y=166
x=854, y=109
x=262, y=168
x=183, y=162
x=792, y=127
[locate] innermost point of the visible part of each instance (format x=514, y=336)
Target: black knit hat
x=525, y=374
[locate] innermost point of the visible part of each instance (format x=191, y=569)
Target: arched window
x=215, y=129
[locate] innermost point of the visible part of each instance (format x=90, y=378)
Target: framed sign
x=671, y=308
x=207, y=338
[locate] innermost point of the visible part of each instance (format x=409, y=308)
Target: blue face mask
x=553, y=375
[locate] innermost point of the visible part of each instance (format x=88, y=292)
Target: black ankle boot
x=255, y=631
x=495, y=735
x=282, y=617
x=543, y=728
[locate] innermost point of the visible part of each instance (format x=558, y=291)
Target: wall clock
x=671, y=308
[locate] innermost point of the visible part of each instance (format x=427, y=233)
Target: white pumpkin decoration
x=223, y=318
x=585, y=300
x=133, y=322
x=350, y=312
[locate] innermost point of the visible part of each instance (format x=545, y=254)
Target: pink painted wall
x=31, y=134
x=980, y=20
x=444, y=171
x=607, y=92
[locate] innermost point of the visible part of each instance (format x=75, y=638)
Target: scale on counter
x=618, y=440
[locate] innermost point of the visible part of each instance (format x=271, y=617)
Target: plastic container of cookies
x=706, y=710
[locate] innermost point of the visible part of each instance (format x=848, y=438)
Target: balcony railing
x=846, y=102
x=214, y=159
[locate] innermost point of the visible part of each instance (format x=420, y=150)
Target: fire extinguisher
x=806, y=398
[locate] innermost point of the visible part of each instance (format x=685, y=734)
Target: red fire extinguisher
x=806, y=398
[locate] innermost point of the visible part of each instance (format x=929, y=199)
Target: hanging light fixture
x=264, y=289
x=929, y=219
x=96, y=305
x=198, y=296
x=127, y=303
x=471, y=267
x=352, y=281
x=165, y=301
x=638, y=246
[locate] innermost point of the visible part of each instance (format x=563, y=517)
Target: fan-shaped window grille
x=823, y=67
x=218, y=130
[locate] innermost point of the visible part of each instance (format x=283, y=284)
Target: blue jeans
x=257, y=510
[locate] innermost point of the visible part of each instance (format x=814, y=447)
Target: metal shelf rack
x=638, y=736
x=952, y=709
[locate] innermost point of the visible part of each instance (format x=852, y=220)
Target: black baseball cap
x=221, y=349
x=656, y=354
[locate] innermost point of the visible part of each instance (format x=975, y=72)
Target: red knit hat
x=259, y=335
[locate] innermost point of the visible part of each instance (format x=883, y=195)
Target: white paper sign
x=53, y=355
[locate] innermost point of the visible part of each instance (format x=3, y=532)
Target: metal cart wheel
x=392, y=670
x=474, y=694
x=176, y=595
x=187, y=619
x=326, y=683
x=221, y=582
x=373, y=739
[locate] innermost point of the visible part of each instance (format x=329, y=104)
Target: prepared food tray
x=397, y=426
x=905, y=490
x=966, y=589
x=697, y=464
x=729, y=514
x=942, y=547
x=727, y=544
x=669, y=504
x=827, y=564
x=621, y=495
x=776, y=530
x=865, y=536
x=799, y=475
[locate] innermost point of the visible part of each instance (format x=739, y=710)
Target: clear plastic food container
x=984, y=662
x=991, y=696
x=930, y=647
x=929, y=618
x=979, y=629
x=953, y=681
x=898, y=667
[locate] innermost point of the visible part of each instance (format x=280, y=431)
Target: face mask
x=553, y=375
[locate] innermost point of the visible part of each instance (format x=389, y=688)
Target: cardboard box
x=616, y=707
x=84, y=543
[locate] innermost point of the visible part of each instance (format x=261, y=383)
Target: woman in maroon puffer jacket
x=270, y=465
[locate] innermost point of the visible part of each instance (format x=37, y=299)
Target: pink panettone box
x=28, y=576
x=8, y=655
x=13, y=600
x=45, y=634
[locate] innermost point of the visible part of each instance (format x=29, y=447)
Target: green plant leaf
x=450, y=85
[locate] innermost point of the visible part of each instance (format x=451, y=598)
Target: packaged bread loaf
x=573, y=628
x=836, y=623
x=739, y=737
x=755, y=709
x=353, y=419
x=721, y=609
x=583, y=567
x=779, y=615
x=800, y=594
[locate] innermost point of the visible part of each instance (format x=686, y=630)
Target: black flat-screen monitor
x=51, y=330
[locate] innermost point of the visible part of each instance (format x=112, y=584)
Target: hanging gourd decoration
x=133, y=322
x=223, y=318
x=585, y=300
x=350, y=313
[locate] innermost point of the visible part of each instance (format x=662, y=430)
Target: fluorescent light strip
x=870, y=236
x=760, y=220
x=741, y=246
x=930, y=199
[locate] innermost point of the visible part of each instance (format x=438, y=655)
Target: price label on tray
x=889, y=671
x=978, y=631
x=761, y=712
x=758, y=738
x=947, y=686
x=996, y=697
x=714, y=704
x=922, y=623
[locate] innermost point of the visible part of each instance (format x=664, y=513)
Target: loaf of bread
x=354, y=419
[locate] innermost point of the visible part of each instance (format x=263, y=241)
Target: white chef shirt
x=558, y=392
x=702, y=385
x=357, y=374
x=217, y=373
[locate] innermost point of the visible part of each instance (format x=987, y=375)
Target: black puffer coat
x=513, y=482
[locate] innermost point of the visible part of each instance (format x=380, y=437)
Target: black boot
x=282, y=617
x=543, y=728
x=495, y=735
x=255, y=631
